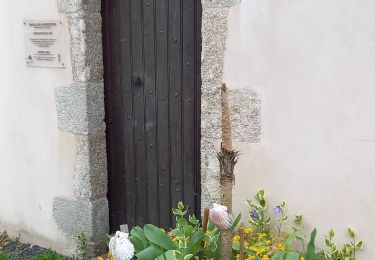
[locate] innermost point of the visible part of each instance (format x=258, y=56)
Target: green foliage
x=311, y=248
x=348, y=250
x=286, y=254
x=183, y=242
x=258, y=217
x=49, y=255
x=4, y=256
x=81, y=246
x=283, y=216
x=155, y=236
x=262, y=243
x=212, y=242
x=236, y=222
x=299, y=229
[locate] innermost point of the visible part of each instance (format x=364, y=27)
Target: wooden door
x=152, y=93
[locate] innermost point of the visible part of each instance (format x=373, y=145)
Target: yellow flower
x=262, y=235
x=236, y=238
x=268, y=242
x=248, y=230
x=100, y=258
x=281, y=246
x=257, y=250
x=302, y=257
x=265, y=257
x=238, y=256
x=110, y=256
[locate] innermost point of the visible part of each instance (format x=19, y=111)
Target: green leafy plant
x=348, y=250
x=186, y=231
x=212, y=242
x=282, y=211
x=299, y=229
x=258, y=217
x=311, y=248
x=262, y=243
x=183, y=242
x=286, y=254
x=49, y=255
x=81, y=246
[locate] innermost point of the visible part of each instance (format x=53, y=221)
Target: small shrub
x=348, y=251
x=262, y=242
x=182, y=242
x=81, y=246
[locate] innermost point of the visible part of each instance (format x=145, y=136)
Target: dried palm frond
x=4, y=239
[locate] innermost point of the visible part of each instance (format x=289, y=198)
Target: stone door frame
x=80, y=111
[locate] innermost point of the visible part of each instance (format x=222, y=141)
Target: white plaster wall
x=313, y=64
x=36, y=160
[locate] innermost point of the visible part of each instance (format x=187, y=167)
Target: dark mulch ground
x=19, y=251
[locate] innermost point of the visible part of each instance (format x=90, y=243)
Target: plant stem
x=303, y=244
x=262, y=221
x=279, y=229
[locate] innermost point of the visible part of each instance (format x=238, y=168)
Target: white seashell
x=220, y=217
x=121, y=247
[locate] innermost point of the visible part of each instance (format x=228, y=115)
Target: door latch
x=137, y=81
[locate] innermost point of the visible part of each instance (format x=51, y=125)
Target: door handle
x=137, y=81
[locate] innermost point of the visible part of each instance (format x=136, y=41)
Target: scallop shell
x=220, y=217
x=121, y=247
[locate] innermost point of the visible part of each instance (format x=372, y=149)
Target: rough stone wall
x=245, y=103
x=80, y=111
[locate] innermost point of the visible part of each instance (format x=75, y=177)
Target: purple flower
x=277, y=210
x=254, y=214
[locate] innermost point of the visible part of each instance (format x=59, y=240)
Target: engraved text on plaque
x=44, y=44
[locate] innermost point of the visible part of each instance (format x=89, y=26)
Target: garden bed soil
x=19, y=251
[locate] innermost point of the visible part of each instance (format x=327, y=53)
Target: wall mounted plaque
x=44, y=43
